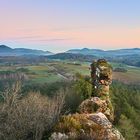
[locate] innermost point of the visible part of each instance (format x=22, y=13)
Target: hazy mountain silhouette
x=7, y=51
x=98, y=52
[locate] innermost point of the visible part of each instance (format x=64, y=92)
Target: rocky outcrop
x=93, y=126
x=95, y=104
x=95, y=115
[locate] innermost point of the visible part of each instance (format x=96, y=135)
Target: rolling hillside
x=98, y=52
x=7, y=51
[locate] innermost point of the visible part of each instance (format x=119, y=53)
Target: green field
x=53, y=71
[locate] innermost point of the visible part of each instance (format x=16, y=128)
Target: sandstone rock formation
x=95, y=104
x=95, y=117
x=101, y=75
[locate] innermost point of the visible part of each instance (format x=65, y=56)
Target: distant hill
x=70, y=56
x=126, y=56
x=98, y=52
x=7, y=51
x=86, y=51
x=4, y=48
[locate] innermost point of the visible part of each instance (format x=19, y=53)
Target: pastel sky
x=59, y=25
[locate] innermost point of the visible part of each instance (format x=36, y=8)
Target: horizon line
x=79, y=48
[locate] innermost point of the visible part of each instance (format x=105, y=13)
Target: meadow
x=53, y=71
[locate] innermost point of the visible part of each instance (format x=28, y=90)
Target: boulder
x=93, y=126
x=96, y=104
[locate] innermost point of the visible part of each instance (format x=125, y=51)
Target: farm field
x=53, y=71
x=131, y=76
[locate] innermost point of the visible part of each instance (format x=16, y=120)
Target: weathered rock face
x=95, y=104
x=93, y=126
x=100, y=119
x=58, y=136
x=101, y=75
x=106, y=132
x=93, y=122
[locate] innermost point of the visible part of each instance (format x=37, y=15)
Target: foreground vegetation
x=33, y=115
x=28, y=117
x=30, y=110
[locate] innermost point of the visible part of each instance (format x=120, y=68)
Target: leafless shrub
x=18, y=76
x=27, y=118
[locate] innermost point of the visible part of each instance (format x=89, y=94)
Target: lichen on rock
x=93, y=126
